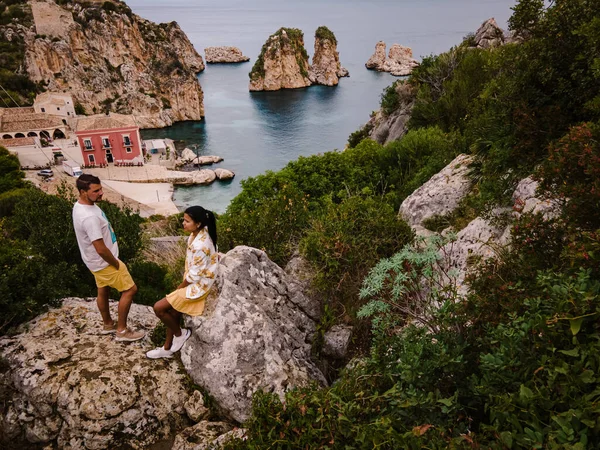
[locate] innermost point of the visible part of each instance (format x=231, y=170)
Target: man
x=99, y=250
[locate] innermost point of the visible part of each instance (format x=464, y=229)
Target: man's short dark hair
x=85, y=180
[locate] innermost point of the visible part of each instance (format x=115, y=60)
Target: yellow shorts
x=189, y=306
x=119, y=279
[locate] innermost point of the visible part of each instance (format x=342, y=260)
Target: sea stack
x=282, y=63
x=400, y=61
x=326, y=68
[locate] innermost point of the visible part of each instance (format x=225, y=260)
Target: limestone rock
x=224, y=55
x=72, y=387
x=203, y=176
x=489, y=35
x=224, y=174
x=201, y=436
x=336, y=341
x=326, y=68
x=440, y=195
x=377, y=59
x=256, y=333
x=478, y=241
x=194, y=407
x=526, y=201
x=282, y=63
x=188, y=156
x=115, y=58
x=400, y=61
x=385, y=128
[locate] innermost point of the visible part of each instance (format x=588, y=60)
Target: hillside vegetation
x=515, y=365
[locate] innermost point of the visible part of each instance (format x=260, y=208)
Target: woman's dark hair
x=206, y=219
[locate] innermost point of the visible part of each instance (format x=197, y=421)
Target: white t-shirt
x=91, y=224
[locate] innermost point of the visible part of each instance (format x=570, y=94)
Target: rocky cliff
x=111, y=59
x=224, y=55
x=63, y=384
x=283, y=62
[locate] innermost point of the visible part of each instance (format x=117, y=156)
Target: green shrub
x=151, y=280
x=9, y=199
x=325, y=33
x=571, y=173
x=345, y=240
x=11, y=175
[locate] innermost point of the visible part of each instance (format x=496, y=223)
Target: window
x=126, y=141
x=58, y=108
x=128, y=150
x=105, y=142
x=43, y=109
x=91, y=159
x=87, y=143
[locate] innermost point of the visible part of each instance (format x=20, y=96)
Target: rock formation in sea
x=108, y=58
x=224, y=55
x=326, y=68
x=63, y=384
x=399, y=62
x=282, y=63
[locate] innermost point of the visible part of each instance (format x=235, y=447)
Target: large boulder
x=256, y=333
x=68, y=386
x=440, y=195
x=326, y=68
x=385, y=127
x=282, y=63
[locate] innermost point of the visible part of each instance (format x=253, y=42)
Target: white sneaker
x=178, y=341
x=159, y=352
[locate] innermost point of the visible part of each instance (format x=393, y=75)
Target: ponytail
x=206, y=219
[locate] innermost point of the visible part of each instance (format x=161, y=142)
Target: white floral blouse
x=201, y=263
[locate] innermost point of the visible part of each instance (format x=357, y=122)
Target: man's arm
x=105, y=253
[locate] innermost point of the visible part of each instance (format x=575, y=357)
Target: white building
x=55, y=104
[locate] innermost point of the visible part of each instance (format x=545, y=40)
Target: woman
x=201, y=262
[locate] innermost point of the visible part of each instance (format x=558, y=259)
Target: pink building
x=109, y=139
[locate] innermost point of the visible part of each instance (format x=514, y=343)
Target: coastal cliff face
x=111, y=59
x=282, y=63
x=326, y=68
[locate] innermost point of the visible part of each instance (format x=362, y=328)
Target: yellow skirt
x=189, y=306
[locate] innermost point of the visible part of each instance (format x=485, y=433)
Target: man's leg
x=124, y=305
x=102, y=302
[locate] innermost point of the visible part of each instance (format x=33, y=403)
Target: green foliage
x=29, y=282
x=571, y=173
x=11, y=175
x=80, y=109
x=345, y=240
x=390, y=99
x=151, y=280
x=448, y=83
x=270, y=216
x=357, y=136
x=126, y=224
x=325, y=33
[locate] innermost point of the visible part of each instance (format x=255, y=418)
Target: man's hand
x=105, y=253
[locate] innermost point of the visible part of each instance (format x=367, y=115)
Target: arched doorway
x=19, y=135
x=32, y=134
x=58, y=134
x=44, y=134
x=7, y=136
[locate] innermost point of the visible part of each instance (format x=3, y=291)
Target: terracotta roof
x=105, y=122
x=17, y=142
x=10, y=123
x=5, y=112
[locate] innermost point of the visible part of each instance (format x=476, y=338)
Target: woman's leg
x=170, y=317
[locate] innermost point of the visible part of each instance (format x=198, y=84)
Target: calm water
x=255, y=132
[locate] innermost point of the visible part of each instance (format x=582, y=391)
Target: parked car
x=45, y=173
